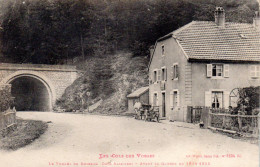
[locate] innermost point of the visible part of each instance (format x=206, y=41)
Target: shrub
x=6, y=99
x=249, y=98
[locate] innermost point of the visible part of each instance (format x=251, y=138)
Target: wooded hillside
x=53, y=31
x=107, y=40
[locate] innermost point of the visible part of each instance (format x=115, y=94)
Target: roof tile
x=205, y=40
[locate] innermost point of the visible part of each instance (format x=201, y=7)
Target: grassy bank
x=25, y=133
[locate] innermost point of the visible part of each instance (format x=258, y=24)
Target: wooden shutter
x=253, y=71
x=165, y=72
x=226, y=70
x=226, y=99
x=171, y=99
x=209, y=70
x=178, y=99
x=157, y=100
x=172, y=72
x=208, y=99
x=258, y=71
x=159, y=75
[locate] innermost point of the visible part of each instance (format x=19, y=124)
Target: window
x=155, y=99
x=162, y=50
x=175, y=72
x=255, y=71
x=164, y=74
x=174, y=99
x=154, y=76
x=217, y=99
x=217, y=70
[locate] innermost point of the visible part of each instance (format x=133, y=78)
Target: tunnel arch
x=38, y=77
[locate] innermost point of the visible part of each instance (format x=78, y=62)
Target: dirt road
x=78, y=140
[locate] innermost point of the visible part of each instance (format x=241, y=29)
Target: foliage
x=41, y=31
x=6, y=99
x=249, y=97
x=110, y=78
x=95, y=79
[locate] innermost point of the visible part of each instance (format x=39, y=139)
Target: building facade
x=201, y=63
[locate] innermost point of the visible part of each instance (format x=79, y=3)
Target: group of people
x=146, y=111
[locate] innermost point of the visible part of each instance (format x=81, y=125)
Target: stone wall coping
x=37, y=67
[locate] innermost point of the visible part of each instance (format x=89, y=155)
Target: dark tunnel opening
x=30, y=94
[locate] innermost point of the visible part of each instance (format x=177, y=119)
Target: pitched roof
x=204, y=40
x=138, y=92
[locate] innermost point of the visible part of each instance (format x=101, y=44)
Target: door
x=163, y=105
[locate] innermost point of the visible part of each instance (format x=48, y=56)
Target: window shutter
x=159, y=75
x=165, y=77
x=208, y=99
x=258, y=71
x=209, y=70
x=151, y=78
x=172, y=72
x=178, y=99
x=252, y=71
x=157, y=100
x=226, y=99
x=226, y=70
x=171, y=99
x=177, y=71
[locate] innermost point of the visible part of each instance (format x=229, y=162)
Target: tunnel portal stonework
x=56, y=78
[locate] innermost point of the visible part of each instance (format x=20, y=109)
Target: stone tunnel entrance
x=30, y=94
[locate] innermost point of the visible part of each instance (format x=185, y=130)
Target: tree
x=249, y=97
x=41, y=31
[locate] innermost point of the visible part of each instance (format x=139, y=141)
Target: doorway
x=163, y=105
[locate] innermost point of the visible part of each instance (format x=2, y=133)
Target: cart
x=140, y=113
x=152, y=114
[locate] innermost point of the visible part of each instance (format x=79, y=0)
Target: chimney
x=220, y=17
x=256, y=21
